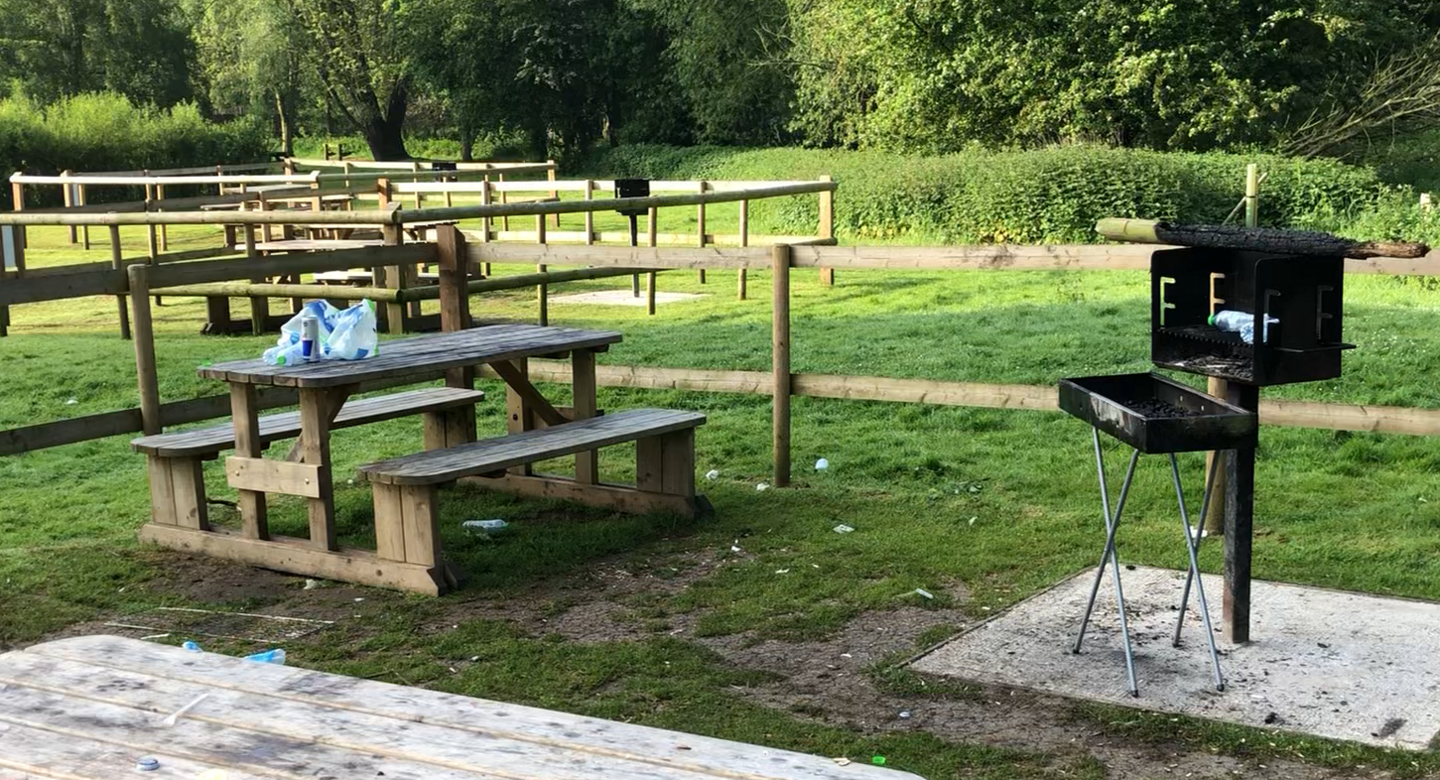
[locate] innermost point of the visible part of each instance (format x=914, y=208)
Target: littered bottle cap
x=147, y=764
x=1211, y=320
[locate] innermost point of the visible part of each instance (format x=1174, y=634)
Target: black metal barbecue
x=1295, y=305
x=633, y=188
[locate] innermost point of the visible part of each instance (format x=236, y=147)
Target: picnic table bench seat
x=177, y=486
x=405, y=488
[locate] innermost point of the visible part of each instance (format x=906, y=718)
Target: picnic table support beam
x=118, y=263
x=780, y=349
x=584, y=406
x=318, y=408
x=244, y=413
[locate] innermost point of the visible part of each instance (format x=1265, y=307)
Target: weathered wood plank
x=491, y=455
x=273, y=476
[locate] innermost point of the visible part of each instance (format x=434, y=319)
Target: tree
x=58, y=48
x=358, y=51
x=249, y=55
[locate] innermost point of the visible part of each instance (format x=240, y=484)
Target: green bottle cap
x=1211, y=320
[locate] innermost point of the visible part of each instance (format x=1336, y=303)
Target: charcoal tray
x=1155, y=414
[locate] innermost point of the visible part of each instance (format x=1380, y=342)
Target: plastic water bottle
x=276, y=656
x=1242, y=323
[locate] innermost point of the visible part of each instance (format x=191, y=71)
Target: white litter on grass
x=735, y=546
x=822, y=464
x=973, y=519
x=782, y=571
x=71, y=402
x=762, y=487
x=843, y=529
x=925, y=593
x=712, y=474
x=312, y=585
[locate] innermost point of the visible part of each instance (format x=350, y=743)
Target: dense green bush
x=1044, y=196
x=105, y=132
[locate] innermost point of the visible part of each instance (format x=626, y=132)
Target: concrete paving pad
x=623, y=298
x=1323, y=662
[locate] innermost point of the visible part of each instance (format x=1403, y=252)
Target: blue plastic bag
x=345, y=334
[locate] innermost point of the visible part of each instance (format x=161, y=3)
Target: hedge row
x=104, y=132
x=1042, y=196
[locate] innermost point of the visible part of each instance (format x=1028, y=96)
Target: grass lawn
x=696, y=626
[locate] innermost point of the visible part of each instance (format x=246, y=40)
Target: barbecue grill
x=1296, y=302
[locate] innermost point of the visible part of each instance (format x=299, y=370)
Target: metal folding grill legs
x=1112, y=559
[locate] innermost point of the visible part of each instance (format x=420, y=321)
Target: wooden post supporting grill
x=118, y=263
x=780, y=353
x=554, y=194
x=827, y=227
x=1214, y=520
x=149, y=383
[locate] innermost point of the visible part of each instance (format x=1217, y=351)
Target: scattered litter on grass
x=359, y=599
x=267, y=629
x=153, y=637
x=762, y=487
x=191, y=646
x=71, y=402
x=822, y=464
x=735, y=546
x=276, y=656
x=843, y=529
x=313, y=585
x=842, y=761
x=147, y=764
x=878, y=761
x=973, y=519
x=484, y=527
x=904, y=714
x=349, y=481
x=712, y=474
x=782, y=571
x=846, y=655
x=814, y=565
x=925, y=593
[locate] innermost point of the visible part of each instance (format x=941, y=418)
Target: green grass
x=999, y=502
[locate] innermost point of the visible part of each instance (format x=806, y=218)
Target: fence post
x=164, y=229
x=85, y=229
x=117, y=261
x=744, y=242
x=700, y=224
x=149, y=383
x=542, y=291
x=780, y=353
x=1214, y=520
x=550, y=175
x=827, y=227
x=69, y=195
x=589, y=215
x=259, y=304
x=651, y=217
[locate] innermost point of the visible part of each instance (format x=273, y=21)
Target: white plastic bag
x=353, y=337
x=345, y=334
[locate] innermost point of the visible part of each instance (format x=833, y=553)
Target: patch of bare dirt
x=829, y=681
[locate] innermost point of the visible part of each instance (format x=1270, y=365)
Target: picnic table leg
x=318, y=408
x=587, y=464
x=519, y=414
x=246, y=417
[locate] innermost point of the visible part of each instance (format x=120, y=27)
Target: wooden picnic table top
x=419, y=354
x=91, y=707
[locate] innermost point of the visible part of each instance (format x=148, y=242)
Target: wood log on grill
x=1290, y=242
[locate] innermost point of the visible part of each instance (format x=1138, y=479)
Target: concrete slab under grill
x=623, y=298
x=1325, y=663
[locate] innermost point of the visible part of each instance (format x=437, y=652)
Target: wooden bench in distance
x=406, y=506
x=177, y=488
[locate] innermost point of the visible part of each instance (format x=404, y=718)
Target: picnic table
x=405, y=490
x=308, y=470
x=90, y=708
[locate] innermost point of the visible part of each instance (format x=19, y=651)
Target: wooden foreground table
x=90, y=707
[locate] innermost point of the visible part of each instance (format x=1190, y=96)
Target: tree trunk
x=539, y=137
x=384, y=130
x=287, y=129
x=467, y=142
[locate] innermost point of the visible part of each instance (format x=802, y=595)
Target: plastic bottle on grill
x=1242, y=323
